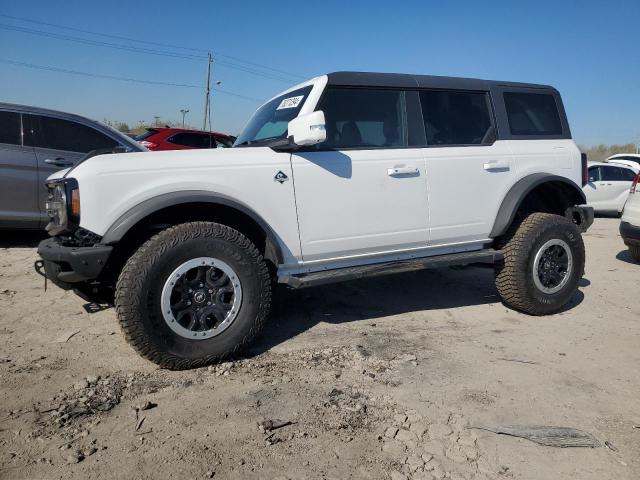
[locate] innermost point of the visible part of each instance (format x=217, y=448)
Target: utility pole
x=183, y=112
x=206, y=92
x=157, y=120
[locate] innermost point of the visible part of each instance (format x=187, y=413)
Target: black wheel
x=635, y=252
x=543, y=263
x=192, y=295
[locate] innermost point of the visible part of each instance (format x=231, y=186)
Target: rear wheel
x=192, y=295
x=543, y=263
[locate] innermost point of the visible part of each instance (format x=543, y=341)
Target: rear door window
x=616, y=174
x=594, y=174
x=628, y=175
x=58, y=134
x=532, y=113
x=10, y=128
x=457, y=118
x=192, y=140
x=364, y=118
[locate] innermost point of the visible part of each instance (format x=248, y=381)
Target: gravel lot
x=379, y=378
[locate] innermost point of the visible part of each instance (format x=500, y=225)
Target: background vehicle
x=164, y=138
x=629, y=159
x=392, y=173
x=630, y=223
x=34, y=143
x=608, y=186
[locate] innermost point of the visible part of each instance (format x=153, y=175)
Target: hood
x=59, y=174
x=162, y=161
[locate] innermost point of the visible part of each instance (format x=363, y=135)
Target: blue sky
x=589, y=50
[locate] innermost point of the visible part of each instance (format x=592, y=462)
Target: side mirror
x=307, y=129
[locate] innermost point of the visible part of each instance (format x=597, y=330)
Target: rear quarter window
x=532, y=114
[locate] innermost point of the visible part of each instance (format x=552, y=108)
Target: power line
x=166, y=45
x=148, y=51
x=123, y=79
x=106, y=35
x=100, y=43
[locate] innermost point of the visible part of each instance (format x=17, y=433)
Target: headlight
x=63, y=206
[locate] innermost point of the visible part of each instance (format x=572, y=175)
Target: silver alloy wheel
x=552, y=266
x=201, y=298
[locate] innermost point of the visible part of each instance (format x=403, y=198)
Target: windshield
x=271, y=120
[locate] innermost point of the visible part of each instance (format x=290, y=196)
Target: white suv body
x=630, y=223
x=349, y=210
x=608, y=186
x=346, y=170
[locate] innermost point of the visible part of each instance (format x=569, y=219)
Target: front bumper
x=630, y=234
x=72, y=264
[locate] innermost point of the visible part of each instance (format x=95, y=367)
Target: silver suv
x=36, y=142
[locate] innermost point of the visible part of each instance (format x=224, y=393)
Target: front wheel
x=543, y=263
x=635, y=252
x=192, y=295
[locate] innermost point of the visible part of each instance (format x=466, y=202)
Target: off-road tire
x=514, y=274
x=635, y=252
x=140, y=284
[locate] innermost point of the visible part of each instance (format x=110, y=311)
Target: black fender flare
x=134, y=215
x=514, y=197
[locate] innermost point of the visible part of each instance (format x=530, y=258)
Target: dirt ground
x=379, y=378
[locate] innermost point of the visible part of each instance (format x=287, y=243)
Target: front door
x=59, y=143
x=363, y=191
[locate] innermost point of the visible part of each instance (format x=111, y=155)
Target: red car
x=164, y=138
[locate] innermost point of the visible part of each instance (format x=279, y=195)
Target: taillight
x=147, y=144
x=585, y=170
x=636, y=180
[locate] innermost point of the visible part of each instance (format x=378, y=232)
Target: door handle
x=402, y=171
x=58, y=162
x=496, y=165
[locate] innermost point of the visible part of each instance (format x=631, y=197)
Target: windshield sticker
x=291, y=102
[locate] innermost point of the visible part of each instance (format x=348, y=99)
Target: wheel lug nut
x=188, y=303
x=208, y=303
x=210, y=291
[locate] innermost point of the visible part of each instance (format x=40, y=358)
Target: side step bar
x=487, y=256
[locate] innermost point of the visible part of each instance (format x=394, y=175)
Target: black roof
x=403, y=80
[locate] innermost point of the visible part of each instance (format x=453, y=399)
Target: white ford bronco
x=347, y=175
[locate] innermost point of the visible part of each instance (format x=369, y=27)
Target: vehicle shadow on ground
x=625, y=256
x=295, y=311
x=21, y=238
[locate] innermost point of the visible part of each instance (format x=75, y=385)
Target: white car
x=628, y=159
x=346, y=175
x=630, y=224
x=608, y=186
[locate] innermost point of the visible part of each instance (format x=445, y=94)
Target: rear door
x=618, y=181
x=468, y=172
x=18, y=176
x=59, y=143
